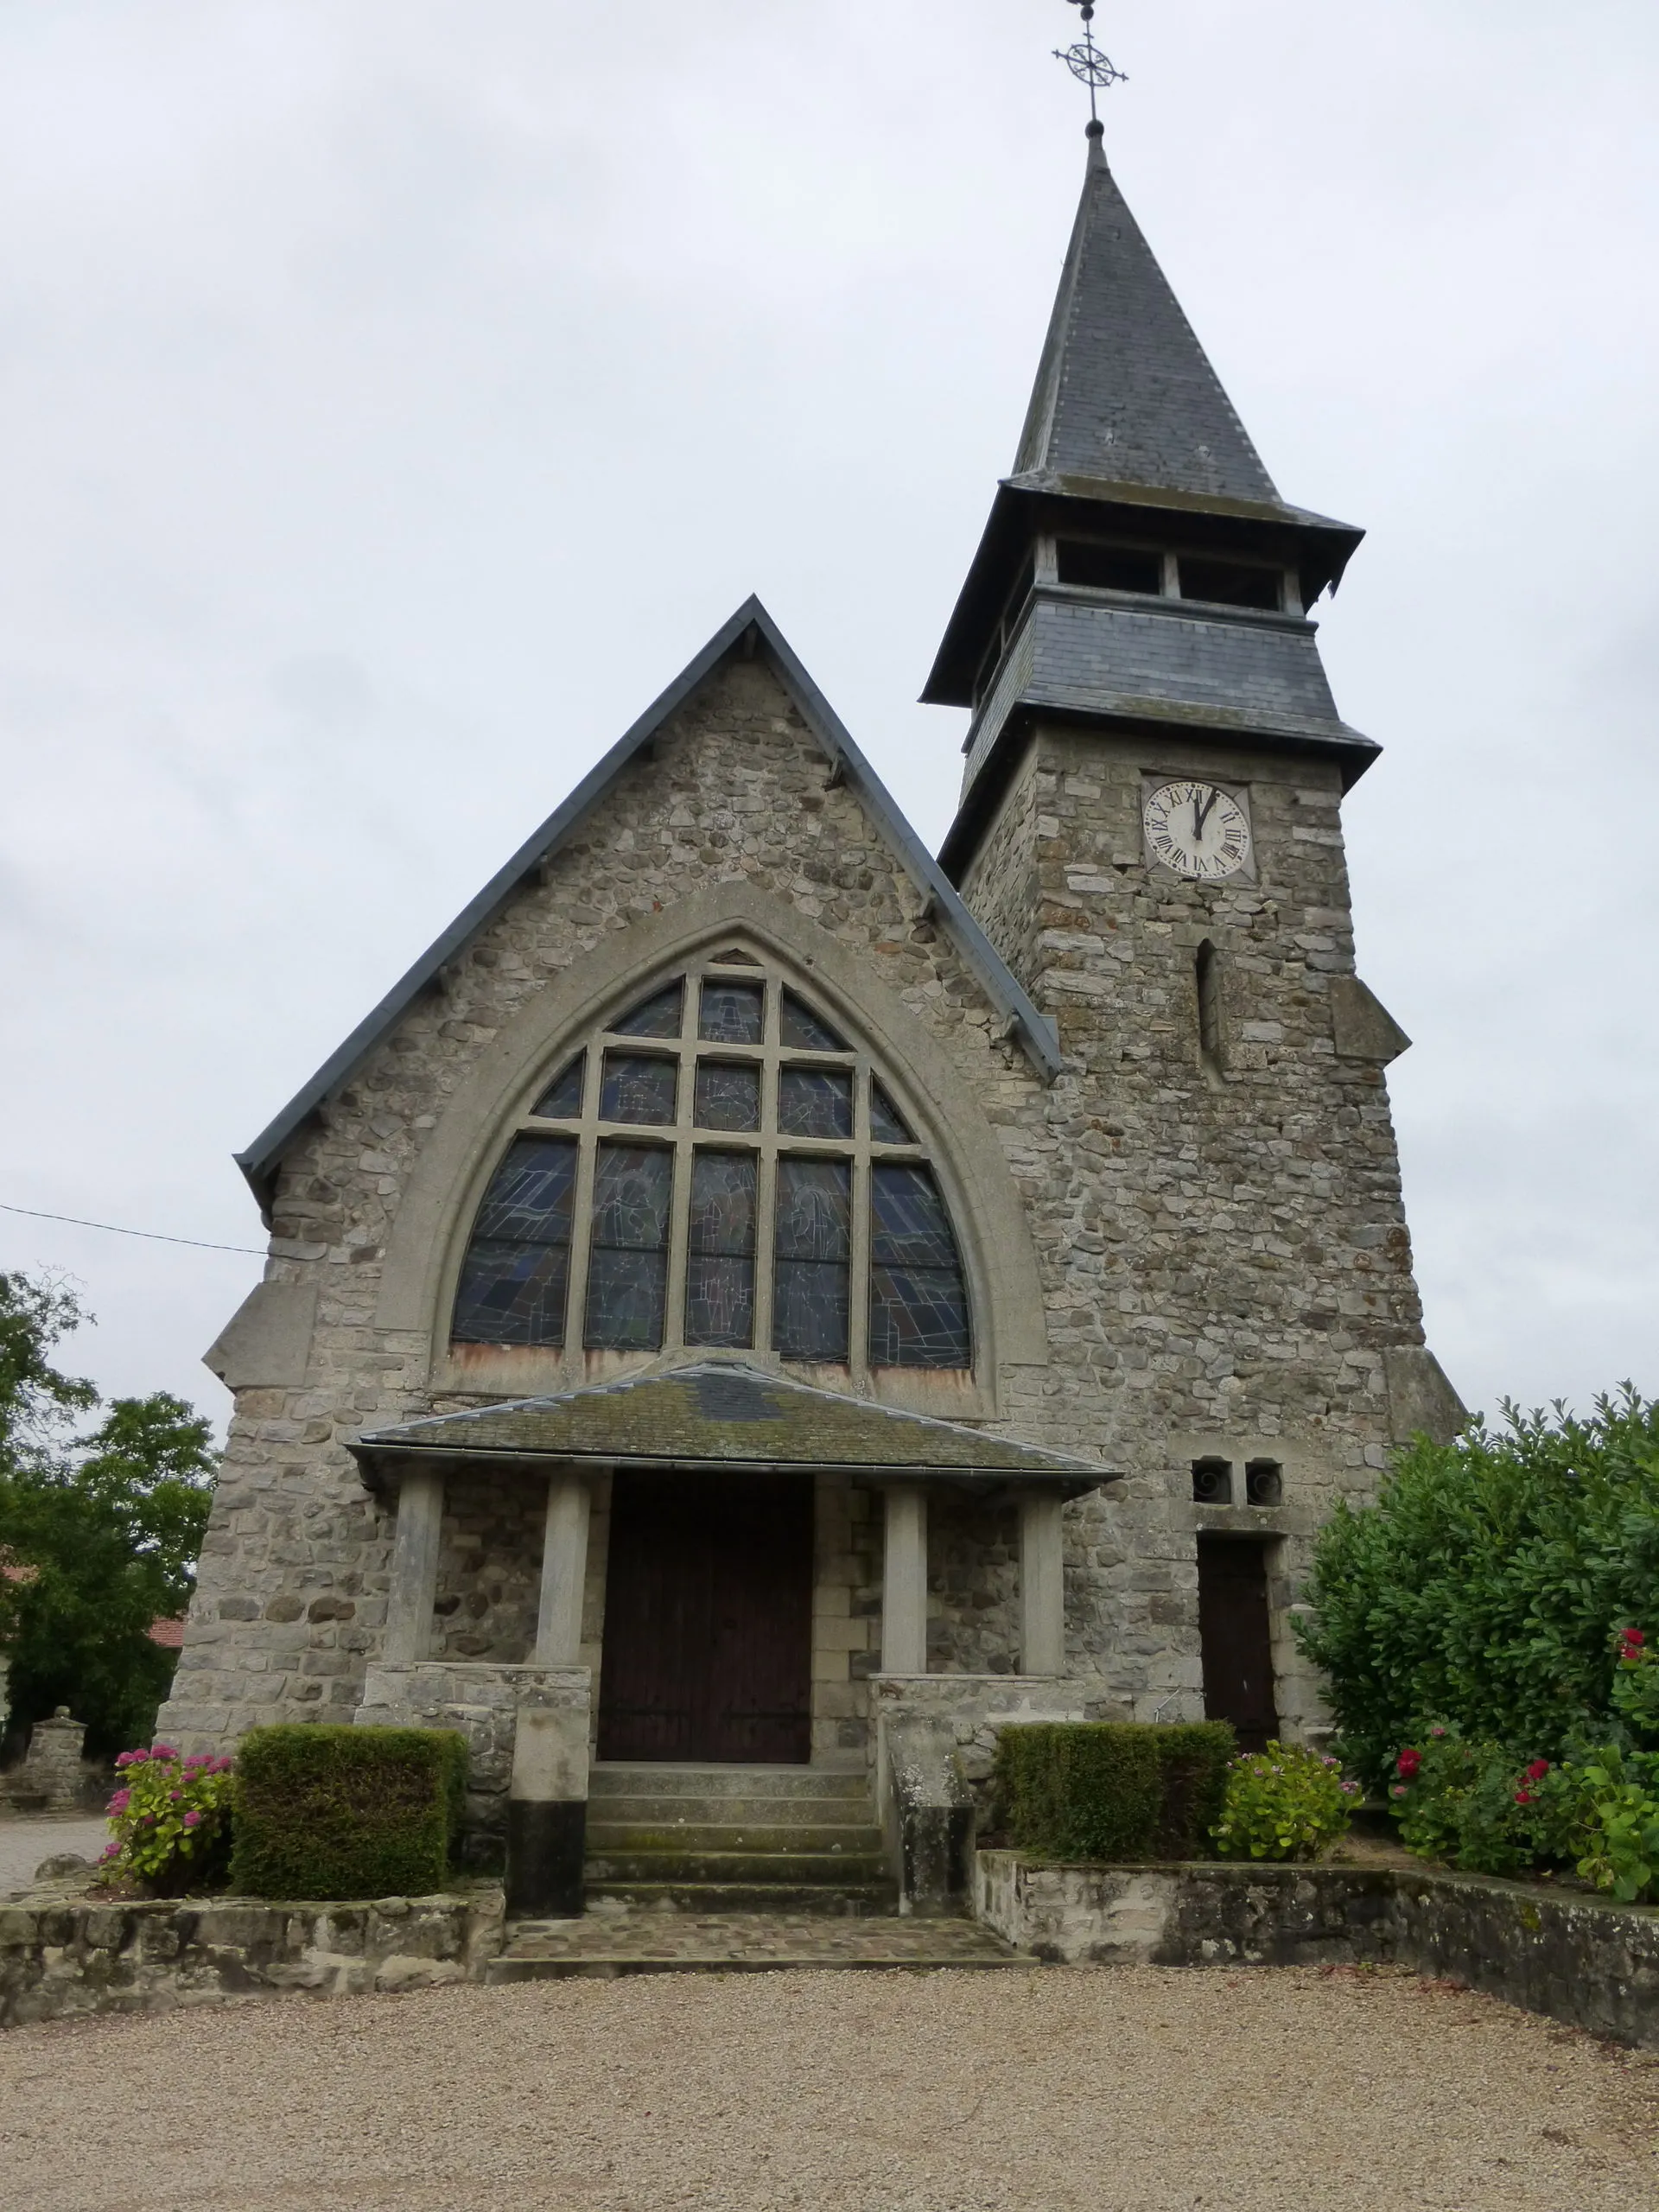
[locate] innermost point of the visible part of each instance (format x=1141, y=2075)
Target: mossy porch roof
x=720, y=1414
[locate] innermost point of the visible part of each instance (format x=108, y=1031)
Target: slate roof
x=717, y=1414
x=1129, y=432
x=1006, y=996
x=1124, y=391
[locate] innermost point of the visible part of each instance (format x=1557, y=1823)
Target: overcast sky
x=395, y=395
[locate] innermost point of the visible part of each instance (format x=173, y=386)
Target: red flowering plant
x=169, y=1821
x=1474, y=1805
x=1636, y=1686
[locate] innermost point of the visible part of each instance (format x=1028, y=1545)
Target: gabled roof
x=1124, y=391
x=1034, y=1031
x=719, y=1415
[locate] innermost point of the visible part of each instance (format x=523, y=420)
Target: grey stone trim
x=1034, y=1031
x=266, y=1344
x=1421, y=1402
x=1362, y=1025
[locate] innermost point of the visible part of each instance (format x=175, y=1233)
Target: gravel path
x=23, y=1844
x=1128, y=2089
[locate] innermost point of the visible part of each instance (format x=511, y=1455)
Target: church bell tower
x=1150, y=833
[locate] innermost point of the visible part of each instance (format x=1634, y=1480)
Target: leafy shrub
x=1284, y=1802
x=1618, y=1808
x=169, y=1821
x=1635, y=1687
x=103, y=1529
x=1111, y=1790
x=1477, y=1805
x=1484, y=1587
x=347, y=1812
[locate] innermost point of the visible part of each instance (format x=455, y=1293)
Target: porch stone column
x=564, y=1571
x=1042, y=1585
x=904, y=1582
x=414, y=1568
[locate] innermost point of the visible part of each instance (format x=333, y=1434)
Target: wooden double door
x=708, y=1653
x=1235, y=1629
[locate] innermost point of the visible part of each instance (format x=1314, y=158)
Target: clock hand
x=1200, y=818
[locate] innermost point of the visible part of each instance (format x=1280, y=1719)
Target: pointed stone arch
x=438, y=1206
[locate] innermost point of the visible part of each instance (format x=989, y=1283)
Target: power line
x=152, y=1236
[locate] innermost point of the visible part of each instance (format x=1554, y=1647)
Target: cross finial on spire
x=1089, y=65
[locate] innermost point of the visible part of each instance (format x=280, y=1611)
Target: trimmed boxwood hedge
x=346, y=1812
x=1113, y=1790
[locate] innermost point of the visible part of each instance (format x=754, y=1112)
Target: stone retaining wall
x=63, y=1958
x=1575, y=1958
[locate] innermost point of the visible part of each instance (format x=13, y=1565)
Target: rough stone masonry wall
x=1225, y=1261
x=489, y=1567
x=295, y=1567
x=973, y=1585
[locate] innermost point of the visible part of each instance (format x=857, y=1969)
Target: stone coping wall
x=1577, y=1958
x=62, y=1956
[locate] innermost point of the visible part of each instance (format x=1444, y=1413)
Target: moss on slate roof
x=726, y=1415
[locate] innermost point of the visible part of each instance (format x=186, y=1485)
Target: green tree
x=101, y=1532
x=1486, y=1587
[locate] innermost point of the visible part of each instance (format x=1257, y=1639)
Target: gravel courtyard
x=1122, y=2090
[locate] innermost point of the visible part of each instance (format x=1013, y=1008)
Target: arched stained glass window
x=718, y=1166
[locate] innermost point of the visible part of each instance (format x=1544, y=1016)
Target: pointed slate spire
x=1125, y=393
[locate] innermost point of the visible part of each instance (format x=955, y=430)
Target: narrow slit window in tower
x=1208, y=979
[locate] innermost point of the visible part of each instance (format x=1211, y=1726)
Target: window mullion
x=679, y=1215
x=765, y=1215
x=858, y=1293
x=582, y=1226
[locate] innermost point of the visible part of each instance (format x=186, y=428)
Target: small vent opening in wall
x=1212, y=1482
x=1264, y=1482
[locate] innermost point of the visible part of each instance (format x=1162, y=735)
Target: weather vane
x=1088, y=64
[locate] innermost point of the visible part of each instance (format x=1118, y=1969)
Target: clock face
x=1196, y=830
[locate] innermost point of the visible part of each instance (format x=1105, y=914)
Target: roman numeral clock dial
x=1196, y=830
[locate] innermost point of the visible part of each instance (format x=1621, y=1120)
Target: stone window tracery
x=728, y=1172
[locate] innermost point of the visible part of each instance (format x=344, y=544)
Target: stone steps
x=615, y=1942
x=822, y=1784
x=608, y=1838
x=780, y=1813
x=798, y=1868
x=709, y=1839
x=666, y=1892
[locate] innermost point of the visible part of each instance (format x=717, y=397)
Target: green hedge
x=1112, y=1790
x=346, y=1812
x=1486, y=1587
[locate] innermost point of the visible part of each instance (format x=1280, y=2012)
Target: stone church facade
x=756, y=1294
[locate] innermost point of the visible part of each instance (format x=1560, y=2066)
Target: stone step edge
x=728, y=1781
x=838, y=1900
x=632, y=1837
x=734, y=1812
x=612, y=1965
x=805, y=1870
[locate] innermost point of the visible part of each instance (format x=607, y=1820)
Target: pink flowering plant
x=170, y=1820
x=1284, y=1802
